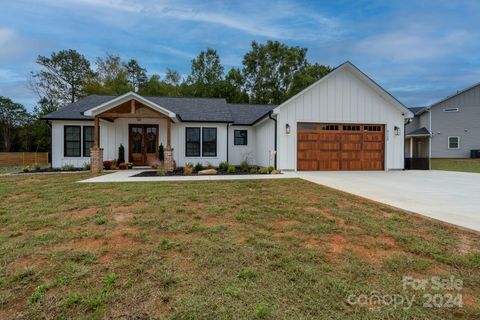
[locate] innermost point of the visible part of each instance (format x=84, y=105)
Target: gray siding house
x=454, y=124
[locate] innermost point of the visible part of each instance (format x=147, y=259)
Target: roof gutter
x=275, y=139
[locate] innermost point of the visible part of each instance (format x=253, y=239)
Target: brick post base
x=96, y=160
x=169, y=162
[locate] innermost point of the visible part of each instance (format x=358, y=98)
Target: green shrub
x=121, y=154
x=198, y=167
x=223, y=166
x=86, y=166
x=68, y=167
x=231, y=169
x=270, y=169
x=244, y=166
x=36, y=167
x=253, y=170
x=110, y=279
x=263, y=171
x=26, y=169
x=161, y=152
x=38, y=294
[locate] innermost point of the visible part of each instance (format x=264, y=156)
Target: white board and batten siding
x=112, y=134
x=265, y=144
x=239, y=153
x=343, y=97
x=178, y=143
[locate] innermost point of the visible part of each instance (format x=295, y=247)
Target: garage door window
x=351, y=128
x=307, y=126
x=372, y=128
x=453, y=142
x=329, y=127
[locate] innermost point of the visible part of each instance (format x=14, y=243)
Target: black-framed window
x=192, y=142
x=240, y=137
x=209, y=142
x=72, y=141
x=88, y=140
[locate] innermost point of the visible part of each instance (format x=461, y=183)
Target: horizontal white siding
x=342, y=98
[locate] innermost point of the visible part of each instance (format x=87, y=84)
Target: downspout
x=228, y=138
x=275, y=139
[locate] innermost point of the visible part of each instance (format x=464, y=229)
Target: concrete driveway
x=453, y=197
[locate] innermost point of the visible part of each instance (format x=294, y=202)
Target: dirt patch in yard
x=215, y=221
x=82, y=213
x=280, y=224
x=125, y=213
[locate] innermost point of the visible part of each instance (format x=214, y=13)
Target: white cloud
x=412, y=44
x=6, y=34
x=10, y=76
x=264, y=19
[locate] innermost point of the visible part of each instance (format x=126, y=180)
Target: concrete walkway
x=126, y=176
x=453, y=197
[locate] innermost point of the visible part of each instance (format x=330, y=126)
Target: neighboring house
x=344, y=121
x=454, y=123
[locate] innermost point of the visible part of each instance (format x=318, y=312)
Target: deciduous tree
x=269, y=69
x=13, y=116
x=62, y=77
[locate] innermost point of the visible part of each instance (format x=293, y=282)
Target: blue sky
x=421, y=51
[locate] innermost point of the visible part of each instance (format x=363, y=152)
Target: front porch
x=137, y=125
x=417, y=150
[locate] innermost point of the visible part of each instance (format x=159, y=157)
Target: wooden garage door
x=322, y=146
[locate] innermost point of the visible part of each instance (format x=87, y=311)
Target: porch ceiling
x=131, y=109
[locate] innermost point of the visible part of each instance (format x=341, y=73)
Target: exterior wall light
x=397, y=131
x=287, y=128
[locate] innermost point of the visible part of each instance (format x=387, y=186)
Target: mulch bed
x=179, y=172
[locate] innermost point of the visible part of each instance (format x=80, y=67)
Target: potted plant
x=121, y=155
x=129, y=165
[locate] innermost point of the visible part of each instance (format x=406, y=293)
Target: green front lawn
x=464, y=165
x=276, y=249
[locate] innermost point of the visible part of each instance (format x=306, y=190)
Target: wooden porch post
x=169, y=133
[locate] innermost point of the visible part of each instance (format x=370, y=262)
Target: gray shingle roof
x=187, y=109
x=74, y=111
x=247, y=114
x=421, y=132
x=417, y=110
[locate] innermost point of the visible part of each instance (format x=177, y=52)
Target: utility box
x=475, y=154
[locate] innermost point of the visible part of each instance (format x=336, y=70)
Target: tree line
x=270, y=74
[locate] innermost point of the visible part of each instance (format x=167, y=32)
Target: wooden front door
x=143, y=139
x=323, y=146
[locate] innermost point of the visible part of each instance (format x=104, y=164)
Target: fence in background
x=20, y=159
